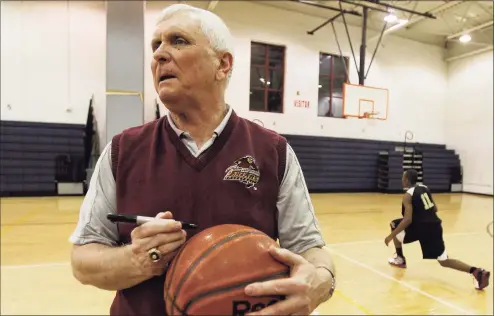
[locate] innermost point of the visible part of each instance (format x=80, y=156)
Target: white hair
x=211, y=25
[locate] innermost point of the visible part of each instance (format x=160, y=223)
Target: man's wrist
x=138, y=269
x=327, y=280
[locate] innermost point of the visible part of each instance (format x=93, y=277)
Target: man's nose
x=161, y=55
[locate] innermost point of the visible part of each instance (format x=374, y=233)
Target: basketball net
x=368, y=115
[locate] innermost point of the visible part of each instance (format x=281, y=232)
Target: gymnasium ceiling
x=453, y=19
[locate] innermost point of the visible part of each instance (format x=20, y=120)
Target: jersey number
x=426, y=201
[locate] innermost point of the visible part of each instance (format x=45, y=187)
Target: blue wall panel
x=27, y=155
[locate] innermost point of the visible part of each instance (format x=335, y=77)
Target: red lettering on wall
x=301, y=104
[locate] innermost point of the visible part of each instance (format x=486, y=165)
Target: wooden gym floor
x=36, y=276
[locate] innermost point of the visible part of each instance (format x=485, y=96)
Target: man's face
x=183, y=61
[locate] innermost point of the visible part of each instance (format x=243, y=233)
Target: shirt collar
x=216, y=132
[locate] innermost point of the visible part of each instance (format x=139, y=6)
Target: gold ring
x=155, y=254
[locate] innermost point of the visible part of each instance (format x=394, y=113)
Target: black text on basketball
x=243, y=307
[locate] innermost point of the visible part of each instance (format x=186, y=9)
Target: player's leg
x=481, y=276
x=433, y=245
x=398, y=260
x=405, y=236
x=456, y=265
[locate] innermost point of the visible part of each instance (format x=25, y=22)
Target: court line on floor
x=354, y=303
x=50, y=264
x=413, y=288
x=372, y=241
x=349, y=300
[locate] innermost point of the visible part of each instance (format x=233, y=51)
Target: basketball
x=209, y=273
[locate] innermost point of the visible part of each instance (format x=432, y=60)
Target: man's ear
x=225, y=65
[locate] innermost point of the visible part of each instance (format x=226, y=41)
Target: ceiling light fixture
x=390, y=18
x=465, y=38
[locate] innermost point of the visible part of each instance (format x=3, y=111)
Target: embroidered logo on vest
x=244, y=170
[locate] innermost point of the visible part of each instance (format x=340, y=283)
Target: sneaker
x=481, y=278
x=397, y=261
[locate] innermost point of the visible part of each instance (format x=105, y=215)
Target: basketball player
x=421, y=223
x=201, y=164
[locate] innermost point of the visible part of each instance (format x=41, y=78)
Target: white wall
x=469, y=119
x=415, y=75
x=52, y=60
x=53, y=56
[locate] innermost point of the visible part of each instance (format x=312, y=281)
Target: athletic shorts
x=429, y=235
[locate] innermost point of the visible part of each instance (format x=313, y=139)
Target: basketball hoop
x=368, y=115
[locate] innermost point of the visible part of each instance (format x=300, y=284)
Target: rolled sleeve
x=297, y=223
x=93, y=226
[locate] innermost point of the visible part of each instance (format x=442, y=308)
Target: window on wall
x=267, y=78
x=333, y=75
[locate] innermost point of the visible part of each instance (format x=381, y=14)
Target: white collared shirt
x=297, y=223
x=189, y=141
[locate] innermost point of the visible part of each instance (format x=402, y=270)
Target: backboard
x=358, y=101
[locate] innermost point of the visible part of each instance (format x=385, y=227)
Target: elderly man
x=174, y=169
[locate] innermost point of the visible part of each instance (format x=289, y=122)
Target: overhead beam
x=362, y=51
x=416, y=19
x=426, y=14
x=472, y=29
x=391, y=29
x=322, y=6
x=365, y=6
x=312, y=32
x=468, y=54
x=438, y=10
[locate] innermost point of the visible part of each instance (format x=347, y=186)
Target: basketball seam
x=172, y=266
x=167, y=286
x=204, y=254
x=230, y=287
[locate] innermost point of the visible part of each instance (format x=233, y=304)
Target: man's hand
x=301, y=290
x=163, y=234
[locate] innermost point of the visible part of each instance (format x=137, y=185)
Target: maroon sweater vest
x=235, y=181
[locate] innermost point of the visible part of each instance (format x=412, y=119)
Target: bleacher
x=35, y=158
x=357, y=165
x=441, y=167
x=28, y=153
